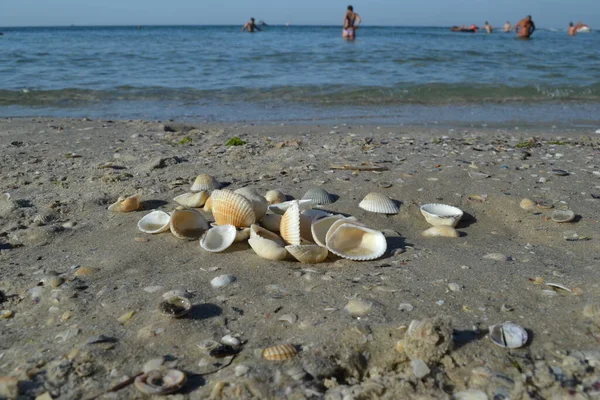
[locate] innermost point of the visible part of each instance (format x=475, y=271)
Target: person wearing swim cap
x=250, y=26
x=351, y=22
x=525, y=28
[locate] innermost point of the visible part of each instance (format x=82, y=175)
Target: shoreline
x=63, y=173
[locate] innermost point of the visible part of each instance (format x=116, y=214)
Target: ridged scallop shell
x=271, y=222
x=160, y=382
x=205, y=182
x=320, y=228
x=187, y=224
x=126, y=204
x=441, y=231
x=336, y=224
x=290, y=225
x=281, y=208
x=259, y=203
x=508, y=335
x=441, y=214
x=208, y=205
x=562, y=216
x=280, y=352
x=155, y=222
x=275, y=196
x=266, y=244
x=192, y=199
x=218, y=238
x=230, y=208
x=318, y=196
x=308, y=253
x=356, y=242
x=379, y=203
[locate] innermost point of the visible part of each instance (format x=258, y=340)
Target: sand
x=72, y=271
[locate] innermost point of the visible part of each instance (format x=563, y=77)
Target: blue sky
x=546, y=13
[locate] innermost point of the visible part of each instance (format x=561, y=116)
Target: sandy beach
x=80, y=285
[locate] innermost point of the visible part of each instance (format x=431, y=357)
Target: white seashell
x=563, y=216
x=275, y=196
x=126, y=204
x=222, y=281
x=559, y=286
x=155, y=222
x=155, y=363
x=379, y=203
x=289, y=318
x=267, y=249
x=305, y=229
x=441, y=214
x=308, y=253
x=230, y=208
x=160, y=382
x=192, y=200
x=218, y=238
x=242, y=234
x=290, y=224
x=260, y=232
x=205, y=182
x=441, y=231
x=318, y=196
x=320, y=227
x=281, y=208
x=508, y=335
x=356, y=242
x=358, y=308
x=271, y=222
x=259, y=203
x=336, y=224
x=187, y=224
x=315, y=214
x=231, y=341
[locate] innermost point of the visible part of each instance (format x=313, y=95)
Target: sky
x=546, y=13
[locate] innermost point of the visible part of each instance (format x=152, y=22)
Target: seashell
x=544, y=205
x=205, y=182
x=267, y=246
x=508, y=335
x=358, y=308
x=379, y=203
x=126, y=204
x=187, y=224
x=318, y=196
x=280, y=352
x=176, y=293
x=336, y=224
x=563, y=216
x=155, y=222
x=275, y=196
x=154, y=364
x=281, y=208
x=271, y=222
x=356, y=242
x=193, y=199
x=160, y=382
x=242, y=234
x=441, y=231
x=175, y=306
x=218, y=238
x=305, y=229
x=208, y=205
x=497, y=257
x=308, y=253
x=231, y=341
x=289, y=318
x=527, y=204
x=257, y=231
x=259, y=203
x=290, y=225
x=315, y=214
x=320, y=227
x=222, y=281
x=230, y=208
x=441, y=214
x=559, y=286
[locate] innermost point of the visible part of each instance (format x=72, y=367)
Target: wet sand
x=72, y=271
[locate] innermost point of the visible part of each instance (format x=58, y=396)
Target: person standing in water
x=525, y=27
x=507, y=27
x=351, y=22
x=572, y=29
x=488, y=28
x=250, y=26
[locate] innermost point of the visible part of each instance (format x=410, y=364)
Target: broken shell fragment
x=155, y=222
x=441, y=214
x=187, y=224
x=308, y=253
x=441, y=231
x=280, y=352
x=126, y=204
x=205, y=182
x=259, y=203
x=160, y=382
x=527, y=204
x=561, y=216
x=357, y=243
x=218, y=238
x=230, y=208
x=379, y=203
x=275, y=196
x=508, y=335
x=318, y=196
x=175, y=306
x=193, y=199
x=281, y=208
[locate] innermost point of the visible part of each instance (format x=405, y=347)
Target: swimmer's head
x=350, y=8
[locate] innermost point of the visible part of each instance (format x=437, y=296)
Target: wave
x=334, y=95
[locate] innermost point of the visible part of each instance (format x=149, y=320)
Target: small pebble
x=241, y=370
x=406, y=307
x=231, y=341
x=455, y=287
x=497, y=257
x=420, y=369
